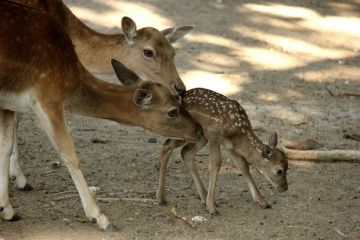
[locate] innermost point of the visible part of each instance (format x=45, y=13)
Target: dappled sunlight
x=269, y=97
x=221, y=83
x=349, y=26
x=218, y=59
x=213, y=39
x=270, y=59
x=281, y=10
x=348, y=72
x=143, y=14
x=292, y=45
x=325, y=37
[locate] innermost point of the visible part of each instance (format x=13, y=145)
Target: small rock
x=99, y=141
x=93, y=190
x=152, y=140
x=198, y=219
x=55, y=165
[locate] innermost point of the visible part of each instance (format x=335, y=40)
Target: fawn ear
x=124, y=75
x=129, y=28
x=273, y=140
x=142, y=97
x=174, y=34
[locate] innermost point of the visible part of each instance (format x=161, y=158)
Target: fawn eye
x=173, y=113
x=279, y=172
x=148, y=53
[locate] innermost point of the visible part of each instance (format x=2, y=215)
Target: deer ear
x=129, y=28
x=273, y=140
x=124, y=75
x=174, y=34
x=142, y=97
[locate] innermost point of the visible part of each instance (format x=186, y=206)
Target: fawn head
x=274, y=164
x=151, y=56
x=161, y=111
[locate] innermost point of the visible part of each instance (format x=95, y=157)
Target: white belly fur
x=20, y=102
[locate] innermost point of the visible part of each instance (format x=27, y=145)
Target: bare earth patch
x=293, y=65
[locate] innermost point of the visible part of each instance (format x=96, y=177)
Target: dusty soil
x=280, y=60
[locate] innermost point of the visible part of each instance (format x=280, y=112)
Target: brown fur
x=40, y=73
x=226, y=123
x=96, y=49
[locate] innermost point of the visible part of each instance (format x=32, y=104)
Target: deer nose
x=179, y=87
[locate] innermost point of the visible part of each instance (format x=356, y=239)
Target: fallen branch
x=64, y=197
x=342, y=94
x=62, y=193
x=183, y=218
x=328, y=155
x=340, y=233
x=145, y=200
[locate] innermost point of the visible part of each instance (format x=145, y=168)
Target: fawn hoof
x=15, y=218
x=215, y=213
x=26, y=188
x=112, y=228
x=264, y=205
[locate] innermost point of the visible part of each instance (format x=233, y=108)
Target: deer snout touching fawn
x=226, y=123
x=41, y=74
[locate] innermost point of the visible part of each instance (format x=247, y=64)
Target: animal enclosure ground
x=293, y=65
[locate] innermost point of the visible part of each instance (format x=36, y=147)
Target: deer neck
x=249, y=146
x=94, y=49
x=95, y=98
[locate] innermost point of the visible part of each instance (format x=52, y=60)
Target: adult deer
x=146, y=51
x=41, y=74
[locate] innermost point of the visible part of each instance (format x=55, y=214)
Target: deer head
x=273, y=164
x=150, y=54
x=161, y=111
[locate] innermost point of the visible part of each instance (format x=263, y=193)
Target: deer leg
x=166, y=151
x=53, y=122
x=188, y=153
x=6, y=144
x=16, y=174
x=215, y=164
x=255, y=193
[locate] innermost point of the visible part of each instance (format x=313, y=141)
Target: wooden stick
x=330, y=155
x=145, y=200
x=183, y=218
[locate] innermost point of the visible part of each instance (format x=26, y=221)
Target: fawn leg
x=255, y=193
x=215, y=164
x=52, y=120
x=188, y=153
x=166, y=151
x=16, y=174
x=7, y=123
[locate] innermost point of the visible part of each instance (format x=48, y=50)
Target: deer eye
x=148, y=53
x=173, y=113
x=279, y=172
x=178, y=98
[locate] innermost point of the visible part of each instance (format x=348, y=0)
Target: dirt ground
x=288, y=63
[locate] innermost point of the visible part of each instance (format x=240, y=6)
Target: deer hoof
x=215, y=213
x=162, y=202
x=112, y=228
x=26, y=188
x=264, y=205
x=15, y=218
